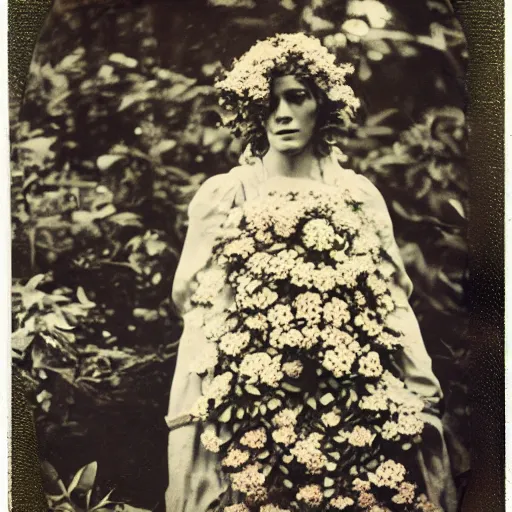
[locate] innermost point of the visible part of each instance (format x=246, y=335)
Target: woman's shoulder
x=360, y=186
x=221, y=192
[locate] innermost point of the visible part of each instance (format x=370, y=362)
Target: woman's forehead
x=285, y=83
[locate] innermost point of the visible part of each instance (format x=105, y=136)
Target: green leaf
x=240, y=413
x=328, y=482
x=253, y=390
x=406, y=446
x=51, y=481
x=327, y=399
x=311, y=402
x=226, y=415
x=284, y=470
x=331, y=466
x=264, y=455
x=329, y=493
x=289, y=387
x=83, y=481
x=273, y=404
x=288, y=484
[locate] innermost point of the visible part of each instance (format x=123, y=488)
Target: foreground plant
x=77, y=497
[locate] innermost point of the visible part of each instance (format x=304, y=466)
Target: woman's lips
x=286, y=132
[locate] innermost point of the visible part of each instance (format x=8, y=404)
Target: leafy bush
x=118, y=129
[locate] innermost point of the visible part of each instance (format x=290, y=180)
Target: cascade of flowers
x=302, y=400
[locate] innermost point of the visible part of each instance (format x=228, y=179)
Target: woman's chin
x=290, y=149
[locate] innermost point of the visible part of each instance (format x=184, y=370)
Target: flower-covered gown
x=195, y=479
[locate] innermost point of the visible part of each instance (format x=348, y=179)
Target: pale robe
x=195, y=479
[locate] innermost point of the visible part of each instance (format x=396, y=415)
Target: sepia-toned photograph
x=240, y=256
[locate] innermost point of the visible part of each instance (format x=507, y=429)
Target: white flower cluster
x=341, y=503
x=249, y=481
x=210, y=440
x=260, y=367
x=210, y=284
x=336, y=312
x=308, y=306
x=388, y=474
x=311, y=494
x=308, y=453
x=254, y=438
x=206, y=359
x=318, y=234
x=235, y=458
x=251, y=74
x=232, y=343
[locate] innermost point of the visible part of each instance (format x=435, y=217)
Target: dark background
x=121, y=451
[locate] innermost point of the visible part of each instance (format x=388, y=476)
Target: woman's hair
x=245, y=90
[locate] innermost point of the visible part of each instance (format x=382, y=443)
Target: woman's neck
x=303, y=165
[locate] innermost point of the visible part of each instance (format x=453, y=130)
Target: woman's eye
x=297, y=97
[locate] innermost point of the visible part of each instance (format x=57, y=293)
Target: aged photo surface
x=239, y=245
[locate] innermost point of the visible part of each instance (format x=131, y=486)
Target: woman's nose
x=283, y=112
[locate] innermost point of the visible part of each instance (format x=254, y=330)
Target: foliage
x=120, y=125
x=77, y=497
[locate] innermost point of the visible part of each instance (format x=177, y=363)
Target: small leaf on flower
x=353, y=470
x=240, y=413
x=264, y=455
x=312, y=403
x=267, y=469
x=406, y=446
x=226, y=415
x=288, y=484
x=289, y=387
x=284, y=470
x=327, y=399
x=328, y=493
x=253, y=390
x=273, y=404
x=328, y=482
x=335, y=455
x=263, y=409
x=331, y=466
x=287, y=459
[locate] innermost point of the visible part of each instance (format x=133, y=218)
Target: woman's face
x=292, y=120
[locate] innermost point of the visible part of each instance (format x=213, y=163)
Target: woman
x=286, y=94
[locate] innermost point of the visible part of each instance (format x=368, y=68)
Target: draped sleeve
x=206, y=213
x=194, y=480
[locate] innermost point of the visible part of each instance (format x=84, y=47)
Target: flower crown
x=247, y=85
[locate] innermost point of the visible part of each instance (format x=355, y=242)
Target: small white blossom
x=331, y=419
x=249, y=481
x=285, y=418
x=309, y=306
x=336, y=312
x=388, y=474
x=318, y=234
x=341, y=503
x=293, y=369
x=369, y=365
x=210, y=440
x=242, y=247
x=284, y=435
x=206, y=359
x=235, y=458
x=238, y=507
x=307, y=452
x=389, y=430
x=257, y=322
x=361, y=436
x=280, y=316
x=406, y=494
x=311, y=494
x=263, y=368
x=339, y=361
x=255, y=439
x=233, y=343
